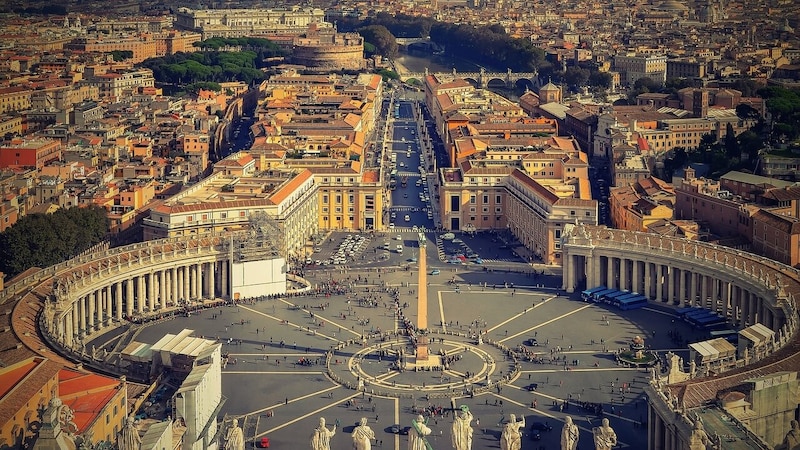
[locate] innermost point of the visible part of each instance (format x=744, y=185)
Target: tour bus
x=728, y=334
x=611, y=297
x=597, y=297
x=587, y=294
x=628, y=302
x=616, y=301
x=710, y=321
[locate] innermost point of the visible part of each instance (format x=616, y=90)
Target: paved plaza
x=278, y=378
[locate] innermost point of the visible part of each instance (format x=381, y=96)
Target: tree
x=731, y=145
x=41, y=240
x=383, y=40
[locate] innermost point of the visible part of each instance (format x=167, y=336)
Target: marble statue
x=234, y=439
x=569, y=435
x=363, y=435
x=129, y=438
x=321, y=439
x=511, y=439
x=699, y=439
x=416, y=436
x=461, y=437
x=604, y=436
x=792, y=439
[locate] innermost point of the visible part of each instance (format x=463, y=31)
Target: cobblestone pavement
x=283, y=399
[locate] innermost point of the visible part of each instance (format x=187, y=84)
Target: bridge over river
x=480, y=79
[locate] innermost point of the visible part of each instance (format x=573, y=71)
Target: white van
x=399, y=248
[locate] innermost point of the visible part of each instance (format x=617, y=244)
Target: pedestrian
x=286, y=401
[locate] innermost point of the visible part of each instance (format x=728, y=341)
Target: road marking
x=441, y=311
x=593, y=369
x=277, y=354
x=545, y=323
x=322, y=318
x=301, y=328
x=518, y=315
x=297, y=419
x=279, y=404
x=255, y=372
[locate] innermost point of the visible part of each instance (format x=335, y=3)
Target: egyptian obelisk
x=422, y=303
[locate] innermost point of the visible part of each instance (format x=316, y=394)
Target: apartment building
x=15, y=98
x=142, y=45
x=113, y=86
x=35, y=153
x=639, y=205
x=776, y=235
x=633, y=66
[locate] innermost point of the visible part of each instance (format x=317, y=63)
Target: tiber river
x=440, y=63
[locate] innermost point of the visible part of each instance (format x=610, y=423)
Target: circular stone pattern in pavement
x=469, y=367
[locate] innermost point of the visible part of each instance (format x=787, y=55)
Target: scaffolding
x=262, y=241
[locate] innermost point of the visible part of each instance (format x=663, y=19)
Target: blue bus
x=683, y=311
x=729, y=335
x=708, y=321
x=610, y=298
x=699, y=312
x=598, y=296
x=587, y=294
x=632, y=302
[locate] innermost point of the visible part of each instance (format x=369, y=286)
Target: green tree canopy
x=383, y=40
x=41, y=240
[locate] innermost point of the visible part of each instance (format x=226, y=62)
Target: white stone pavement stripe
x=276, y=354
x=546, y=414
x=325, y=320
x=545, y=323
x=515, y=316
x=255, y=372
x=304, y=416
x=279, y=404
x=289, y=323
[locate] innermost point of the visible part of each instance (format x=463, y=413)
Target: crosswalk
x=408, y=230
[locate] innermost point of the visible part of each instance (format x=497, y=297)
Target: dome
x=672, y=5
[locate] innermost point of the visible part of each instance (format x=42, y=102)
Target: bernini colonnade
x=740, y=286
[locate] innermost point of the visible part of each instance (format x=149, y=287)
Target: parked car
x=532, y=387
x=435, y=272
x=532, y=342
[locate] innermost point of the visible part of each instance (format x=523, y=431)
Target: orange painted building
x=29, y=153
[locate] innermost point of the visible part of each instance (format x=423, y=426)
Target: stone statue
x=604, y=436
x=321, y=439
x=234, y=439
x=569, y=435
x=461, y=437
x=363, y=435
x=416, y=436
x=699, y=440
x=792, y=439
x=129, y=438
x=511, y=439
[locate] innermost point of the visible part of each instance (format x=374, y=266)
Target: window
x=558, y=234
x=485, y=199
x=497, y=199
x=190, y=219
x=472, y=199
x=324, y=199
x=572, y=213
x=338, y=199
x=351, y=199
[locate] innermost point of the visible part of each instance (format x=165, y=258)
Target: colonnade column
x=76, y=316
x=224, y=279
x=623, y=274
x=682, y=288
x=129, y=297
x=636, y=285
x=212, y=288
x=69, y=331
x=141, y=294
x=118, y=311
x=704, y=293
x=173, y=280
x=151, y=291
x=693, y=289
x=648, y=277
x=659, y=283
x=162, y=287
x=198, y=280
x=670, y=284
x=90, y=325
x=609, y=272
x=82, y=316
x=725, y=297
x=187, y=293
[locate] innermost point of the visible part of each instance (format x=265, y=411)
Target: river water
x=435, y=63
x=440, y=63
